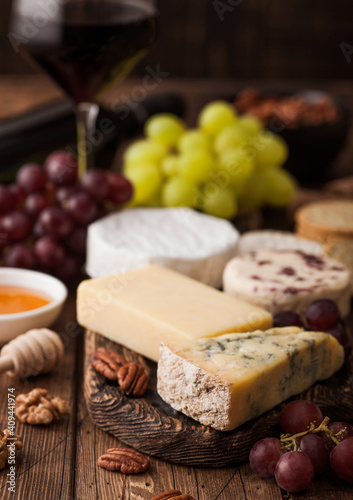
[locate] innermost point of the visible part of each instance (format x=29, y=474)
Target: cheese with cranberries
x=287, y=280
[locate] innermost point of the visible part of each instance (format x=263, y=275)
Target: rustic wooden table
x=58, y=462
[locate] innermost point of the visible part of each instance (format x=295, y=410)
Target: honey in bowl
x=14, y=299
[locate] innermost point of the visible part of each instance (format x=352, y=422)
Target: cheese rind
x=226, y=381
x=252, y=241
x=287, y=280
x=189, y=242
x=141, y=308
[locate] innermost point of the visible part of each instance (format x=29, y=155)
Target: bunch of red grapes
x=322, y=316
x=310, y=447
x=45, y=214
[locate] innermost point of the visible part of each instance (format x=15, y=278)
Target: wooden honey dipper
x=32, y=353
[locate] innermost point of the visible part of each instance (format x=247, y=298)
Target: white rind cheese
x=226, y=381
x=253, y=241
x=181, y=239
x=287, y=280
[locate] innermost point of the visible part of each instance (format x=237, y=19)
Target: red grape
x=294, y=471
x=341, y=335
x=341, y=460
x=69, y=269
x=347, y=430
x=55, y=222
x=317, y=450
x=287, y=318
x=48, y=252
x=327, y=440
x=50, y=192
x=20, y=256
x=35, y=203
x=18, y=194
x=61, y=168
x=7, y=202
x=81, y=208
x=4, y=239
x=297, y=416
x=76, y=242
x=120, y=189
x=95, y=183
x=38, y=230
x=16, y=226
x=322, y=315
x=31, y=178
x=264, y=456
x=64, y=192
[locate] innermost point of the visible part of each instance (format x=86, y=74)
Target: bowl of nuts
x=314, y=124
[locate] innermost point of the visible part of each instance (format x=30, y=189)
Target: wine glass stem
x=86, y=116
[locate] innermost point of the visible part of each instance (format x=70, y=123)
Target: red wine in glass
x=89, y=45
x=85, y=45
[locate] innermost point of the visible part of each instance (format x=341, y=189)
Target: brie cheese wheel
x=181, y=239
x=287, y=280
x=253, y=241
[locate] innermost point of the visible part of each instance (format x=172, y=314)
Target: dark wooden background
x=238, y=38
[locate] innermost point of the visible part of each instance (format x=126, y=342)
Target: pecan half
x=172, y=494
x=107, y=363
x=39, y=407
x=133, y=379
x=127, y=460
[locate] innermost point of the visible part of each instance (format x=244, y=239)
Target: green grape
x=218, y=201
x=146, y=180
x=193, y=140
x=155, y=201
x=253, y=195
x=238, y=189
x=215, y=116
x=250, y=125
x=170, y=165
x=130, y=167
x=178, y=192
x=196, y=166
x=230, y=137
x=280, y=187
x=164, y=128
x=144, y=151
x=271, y=149
x=238, y=164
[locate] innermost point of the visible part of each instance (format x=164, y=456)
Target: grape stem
x=289, y=441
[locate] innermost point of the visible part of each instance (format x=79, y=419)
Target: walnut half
x=38, y=407
x=7, y=440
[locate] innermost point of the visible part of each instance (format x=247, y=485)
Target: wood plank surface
x=46, y=463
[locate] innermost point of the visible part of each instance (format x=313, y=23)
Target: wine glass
x=85, y=46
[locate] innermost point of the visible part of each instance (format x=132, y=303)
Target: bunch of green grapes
x=228, y=164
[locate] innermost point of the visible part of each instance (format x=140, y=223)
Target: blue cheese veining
x=225, y=381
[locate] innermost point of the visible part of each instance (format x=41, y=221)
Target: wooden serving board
x=153, y=427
